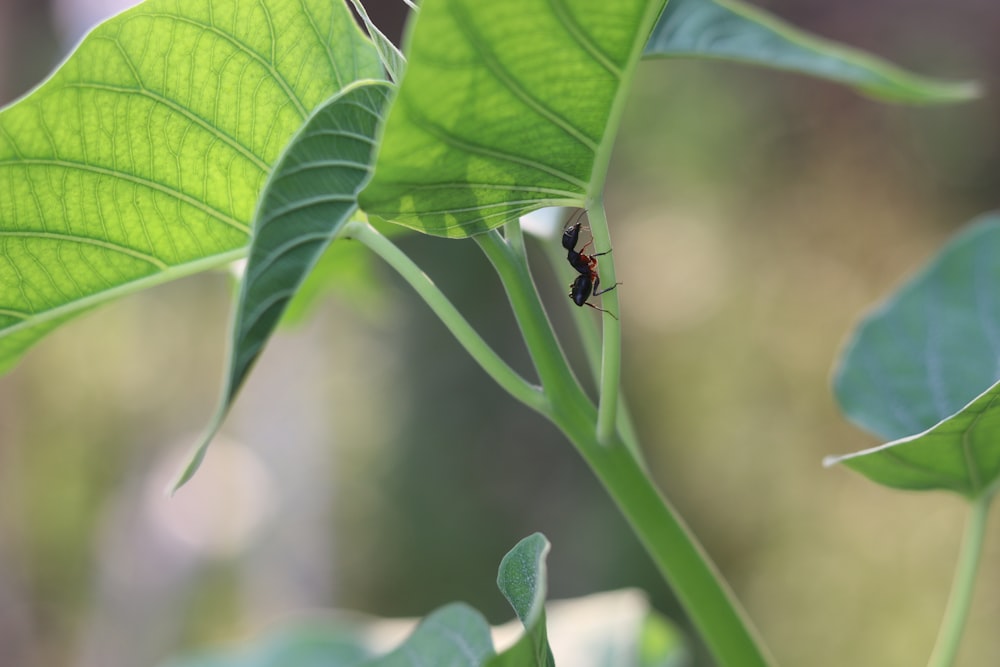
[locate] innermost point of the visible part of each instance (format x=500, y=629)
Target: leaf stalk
x=529, y=394
x=960, y=600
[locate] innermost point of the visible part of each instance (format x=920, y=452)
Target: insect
x=588, y=283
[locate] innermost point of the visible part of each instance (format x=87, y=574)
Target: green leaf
x=732, y=30
x=141, y=158
x=922, y=369
x=524, y=582
x=612, y=629
x=392, y=59
x=506, y=107
x=454, y=636
x=312, y=192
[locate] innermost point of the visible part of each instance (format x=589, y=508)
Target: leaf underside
x=735, y=31
x=141, y=158
x=922, y=371
x=311, y=194
x=504, y=108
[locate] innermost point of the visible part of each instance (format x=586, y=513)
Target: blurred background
x=370, y=465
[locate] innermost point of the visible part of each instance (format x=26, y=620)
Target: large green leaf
x=505, y=107
x=921, y=370
x=312, y=192
x=732, y=30
x=142, y=157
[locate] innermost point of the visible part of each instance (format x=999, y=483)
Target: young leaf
x=524, y=582
x=141, y=158
x=506, y=107
x=921, y=370
x=312, y=192
x=732, y=30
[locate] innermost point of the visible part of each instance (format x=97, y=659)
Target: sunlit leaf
x=505, y=107
x=921, y=371
x=312, y=192
x=141, y=159
x=732, y=30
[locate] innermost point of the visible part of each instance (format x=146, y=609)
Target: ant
x=588, y=283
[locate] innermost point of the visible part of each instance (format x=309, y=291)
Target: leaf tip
x=831, y=460
x=194, y=460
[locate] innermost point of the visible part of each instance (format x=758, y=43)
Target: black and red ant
x=588, y=283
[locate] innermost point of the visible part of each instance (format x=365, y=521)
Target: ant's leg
x=601, y=309
x=597, y=282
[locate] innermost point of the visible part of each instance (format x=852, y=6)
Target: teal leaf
x=523, y=580
x=141, y=158
x=922, y=369
x=311, y=194
x=305, y=644
x=735, y=31
x=506, y=107
x=454, y=636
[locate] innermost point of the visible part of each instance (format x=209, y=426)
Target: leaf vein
x=152, y=185
x=493, y=63
x=214, y=130
x=585, y=41
x=84, y=240
x=442, y=135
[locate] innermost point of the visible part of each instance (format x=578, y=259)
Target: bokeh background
x=370, y=465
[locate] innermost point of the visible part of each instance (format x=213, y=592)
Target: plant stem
x=497, y=368
x=676, y=552
x=611, y=348
x=960, y=599
x=543, y=347
x=591, y=340
x=700, y=588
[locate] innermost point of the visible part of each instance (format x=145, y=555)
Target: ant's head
x=570, y=236
x=572, y=232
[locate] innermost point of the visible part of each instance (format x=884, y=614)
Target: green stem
x=960, y=600
x=543, y=347
x=590, y=338
x=611, y=347
x=697, y=584
x=514, y=237
x=497, y=368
